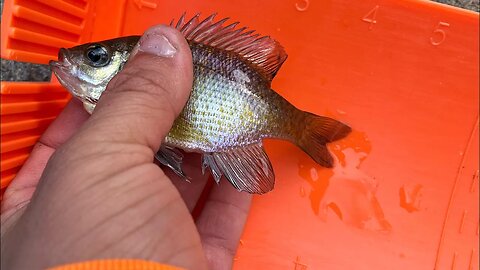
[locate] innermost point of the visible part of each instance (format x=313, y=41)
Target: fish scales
x=228, y=105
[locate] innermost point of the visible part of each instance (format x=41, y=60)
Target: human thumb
x=142, y=101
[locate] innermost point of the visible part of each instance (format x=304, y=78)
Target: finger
x=221, y=224
x=65, y=125
x=23, y=185
x=190, y=190
x=141, y=102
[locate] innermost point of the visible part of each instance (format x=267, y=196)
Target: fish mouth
x=63, y=71
x=63, y=60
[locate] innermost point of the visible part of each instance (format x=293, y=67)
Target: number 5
x=439, y=33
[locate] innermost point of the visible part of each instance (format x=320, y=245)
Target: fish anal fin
x=263, y=52
x=246, y=168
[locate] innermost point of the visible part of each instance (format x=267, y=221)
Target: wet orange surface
x=410, y=197
x=403, y=74
x=345, y=191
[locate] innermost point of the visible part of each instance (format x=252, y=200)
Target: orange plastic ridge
x=37, y=29
x=27, y=110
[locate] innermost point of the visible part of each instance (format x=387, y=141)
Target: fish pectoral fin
x=247, y=168
x=172, y=158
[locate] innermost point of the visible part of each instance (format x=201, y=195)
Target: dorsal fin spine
x=181, y=20
x=263, y=52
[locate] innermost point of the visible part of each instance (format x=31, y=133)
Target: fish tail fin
x=319, y=131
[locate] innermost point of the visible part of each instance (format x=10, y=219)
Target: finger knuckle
x=143, y=88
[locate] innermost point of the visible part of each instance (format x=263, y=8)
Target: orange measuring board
x=403, y=74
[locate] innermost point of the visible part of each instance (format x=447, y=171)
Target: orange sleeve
x=116, y=264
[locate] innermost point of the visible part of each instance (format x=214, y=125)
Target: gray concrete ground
x=467, y=4
x=16, y=71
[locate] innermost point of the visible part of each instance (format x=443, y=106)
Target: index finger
x=60, y=130
x=221, y=224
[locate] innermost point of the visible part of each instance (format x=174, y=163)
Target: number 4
x=370, y=17
x=440, y=33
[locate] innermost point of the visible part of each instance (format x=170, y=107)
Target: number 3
x=439, y=35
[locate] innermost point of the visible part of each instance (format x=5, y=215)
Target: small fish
x=231, y=107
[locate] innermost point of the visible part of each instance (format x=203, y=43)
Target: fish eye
x=97, y=55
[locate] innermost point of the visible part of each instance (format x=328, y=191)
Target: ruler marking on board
x=371, y=16
x=462, y=221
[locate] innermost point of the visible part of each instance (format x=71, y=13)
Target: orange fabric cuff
x=116, y=264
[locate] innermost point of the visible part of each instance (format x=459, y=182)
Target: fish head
x=86, y=70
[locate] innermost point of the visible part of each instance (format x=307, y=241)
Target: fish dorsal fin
x=247, y=168
x=262, y=51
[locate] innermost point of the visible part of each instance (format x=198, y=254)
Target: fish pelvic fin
x=172, y=158
x=246, y=168
x=319, y=131
x=262, y=52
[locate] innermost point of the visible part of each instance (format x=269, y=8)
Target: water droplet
x=334, y=207
x=313, y=174
x=302, y=5
x=341, y=112
x=410, y=197
x=302, y=192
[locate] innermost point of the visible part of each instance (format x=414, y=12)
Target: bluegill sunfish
x=231, y=109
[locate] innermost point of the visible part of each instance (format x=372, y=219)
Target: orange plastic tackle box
x=404, y=74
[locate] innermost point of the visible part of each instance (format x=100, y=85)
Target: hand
x=90, y=189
